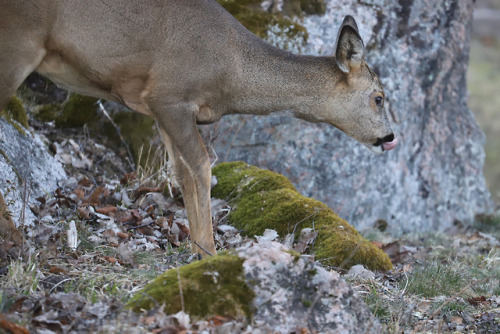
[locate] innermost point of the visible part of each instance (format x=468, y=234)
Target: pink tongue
x=390, y=145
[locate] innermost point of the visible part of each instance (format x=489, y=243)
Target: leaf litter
x=99, y=239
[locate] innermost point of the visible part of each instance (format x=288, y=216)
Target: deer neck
x=272, y=80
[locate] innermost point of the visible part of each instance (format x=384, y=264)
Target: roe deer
x=185, y=62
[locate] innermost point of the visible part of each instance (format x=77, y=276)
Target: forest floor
x=105, y=233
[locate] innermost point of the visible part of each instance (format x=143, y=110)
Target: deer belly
x=68, y=77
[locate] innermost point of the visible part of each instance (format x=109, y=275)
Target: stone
x=266, y=203
x=420, y=49
x=264, y=283
x=27, y=171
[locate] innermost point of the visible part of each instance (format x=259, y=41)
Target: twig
x=180, y=287
x=406, y=285
x=59, y=283
x=351, y=254
x=26, y=196
x=203, y=249
x=143, y=225
x=215, y=159
x=306, y=218
x=118, y=131
x=233, y=138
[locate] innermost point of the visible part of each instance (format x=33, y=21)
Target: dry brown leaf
x=94, y=198
x=110, y=259
x=12, y=327
x=144, y=190
x=85, y=182
x=481, y=300
x=123, y=235
x=128, y=177
x=107, y=210
x=84, y=212
x=57, y=270
x=79, y=192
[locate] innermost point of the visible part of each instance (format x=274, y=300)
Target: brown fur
x=183, y=62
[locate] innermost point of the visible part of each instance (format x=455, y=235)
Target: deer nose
x=388, y=142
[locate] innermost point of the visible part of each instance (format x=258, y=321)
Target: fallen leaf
x=110, y=259
x=107, y=210
x=128, y=177
x=12, y=327
x=123, y=235
x=79, y=192
x=57, y=270
x=144, y=190
x=478, y=300
x=218, y=320
x=94, y=198
x=84, y=212
x=85, y=182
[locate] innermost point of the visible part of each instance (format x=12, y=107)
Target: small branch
x=203, y=249
x=143, y=225
x=118, y=131
x=180, y=288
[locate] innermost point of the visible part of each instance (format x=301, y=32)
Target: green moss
x=75, y=112
x=14, y=111
x=258, y=21
x=213, y=286
x=313, y=7
x=266, y=200
x=238, y=178
x=136, y=129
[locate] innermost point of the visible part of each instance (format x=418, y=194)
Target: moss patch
x=266, y=200
x=137, y=130
x=14, y=111
x=259, y=21
x=76, y=112
x=213, y=286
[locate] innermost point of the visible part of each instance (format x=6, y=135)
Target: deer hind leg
x=191, y=167
x=19, y=56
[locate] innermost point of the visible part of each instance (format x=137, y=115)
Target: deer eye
x=379, y=101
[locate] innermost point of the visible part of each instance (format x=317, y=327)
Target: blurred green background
x=484, y=86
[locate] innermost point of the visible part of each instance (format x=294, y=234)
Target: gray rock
x=292, y=293
x=420, y=49
x=25, y=158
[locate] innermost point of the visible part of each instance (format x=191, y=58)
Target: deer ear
x=350, y=50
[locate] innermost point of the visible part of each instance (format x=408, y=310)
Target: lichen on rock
x=266, y=200
x=214, y=286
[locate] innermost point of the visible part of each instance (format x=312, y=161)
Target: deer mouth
x=387, y=143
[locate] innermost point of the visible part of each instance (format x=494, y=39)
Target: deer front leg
x=191, y=167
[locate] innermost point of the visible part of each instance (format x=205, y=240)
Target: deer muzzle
x=387, y=143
